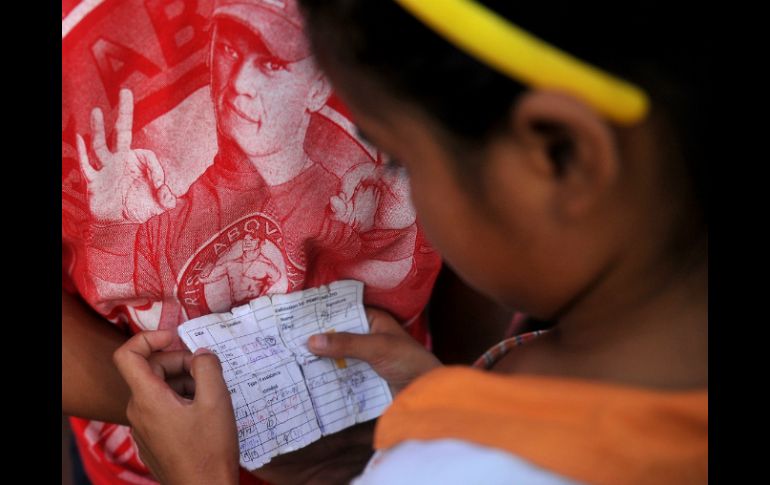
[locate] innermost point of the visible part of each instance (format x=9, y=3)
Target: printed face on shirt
x=250, y=243
x=261, y=100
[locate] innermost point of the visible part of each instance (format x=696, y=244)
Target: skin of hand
x=181, y=440
x=126, y=185
x=392, y=353
x=338, y=458
x=331, y=460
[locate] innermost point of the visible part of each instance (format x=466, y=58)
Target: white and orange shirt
x=460, y=425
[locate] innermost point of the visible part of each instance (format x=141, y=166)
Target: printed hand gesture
x=359, y=199
x=127, y=185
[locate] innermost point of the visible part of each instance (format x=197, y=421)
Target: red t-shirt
x=164, y=187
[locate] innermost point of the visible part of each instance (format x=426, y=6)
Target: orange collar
x=593, y=432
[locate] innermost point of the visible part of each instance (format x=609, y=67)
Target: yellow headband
x=522, y=56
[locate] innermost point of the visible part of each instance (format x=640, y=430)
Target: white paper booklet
x=285, y=397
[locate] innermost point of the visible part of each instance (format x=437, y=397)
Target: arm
x=338, y=458
x=272, y=273
x=215, y=273
x=91, y=385
x=161, y=419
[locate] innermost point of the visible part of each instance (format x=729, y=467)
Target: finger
x=182, y=385
x=356, y=175
x=383, y=322
x=85, y=165
x=153, y=167
x=125, y=121
x=369, y=348
x=100, y=141
x=210, y=387
x=188, y=362
x=166, y=198
x=170, y=364
x=132, y=359
x=338, y=205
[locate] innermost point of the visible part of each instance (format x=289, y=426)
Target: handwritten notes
x=285, y=397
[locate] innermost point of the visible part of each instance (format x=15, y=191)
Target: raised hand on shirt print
x=359, y=197
x=124, y=185
x=372, y=197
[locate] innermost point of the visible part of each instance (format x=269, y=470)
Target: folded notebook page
x=285, y=397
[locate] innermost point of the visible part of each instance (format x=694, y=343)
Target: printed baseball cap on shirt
x=278, y=23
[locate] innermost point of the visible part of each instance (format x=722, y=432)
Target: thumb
x=210, y=387
x=166, y=198
x=152, y=166
x=370, y=348
x=381, y=321
x=338, y=205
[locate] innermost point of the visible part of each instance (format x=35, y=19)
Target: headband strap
x=514, y=52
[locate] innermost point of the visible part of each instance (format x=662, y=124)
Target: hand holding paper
x=174, y=450
x=392, y=353
x=284, y=396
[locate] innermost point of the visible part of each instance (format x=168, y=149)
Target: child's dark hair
x=656, y=49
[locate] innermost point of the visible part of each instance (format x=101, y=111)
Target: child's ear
x=568, y=143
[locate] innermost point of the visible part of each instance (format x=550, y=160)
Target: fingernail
x=203, y=350
x=318, y=342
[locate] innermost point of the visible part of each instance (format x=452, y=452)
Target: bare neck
x=633, y=328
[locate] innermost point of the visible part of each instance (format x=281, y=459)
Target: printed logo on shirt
x=244, y=261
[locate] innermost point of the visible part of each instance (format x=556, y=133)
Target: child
x=550, y=184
